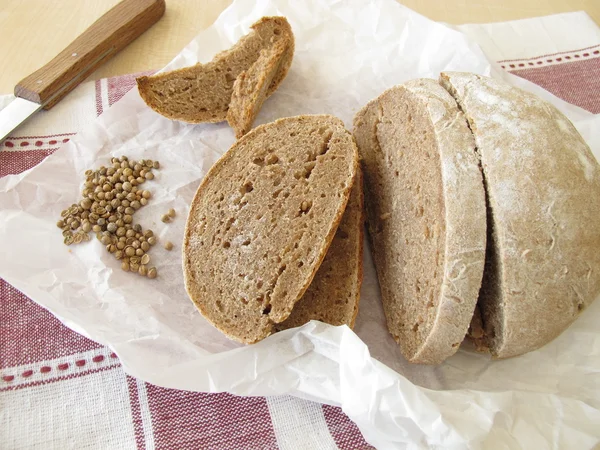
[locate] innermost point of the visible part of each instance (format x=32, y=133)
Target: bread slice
x=425, y=208
x=543, y=189
x=202, y=93
x=262, y=220
x=334, y=293
x=251, y=87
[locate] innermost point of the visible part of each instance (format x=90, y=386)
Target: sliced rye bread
x=543, y=191
x=251, y=87
x=202, y=93
x=262, y=220
x=425, y=206
x=334, y=293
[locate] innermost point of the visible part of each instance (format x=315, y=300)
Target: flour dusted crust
x=543, y=185
x=262, y=221
x=425, y=207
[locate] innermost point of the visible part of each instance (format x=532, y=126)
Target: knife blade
x=103, y=39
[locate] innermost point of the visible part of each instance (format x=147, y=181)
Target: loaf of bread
x=543, y=189
x=427, y=215
x=425, y=207
x=334, y=293
x=262, y=221
x=203, y=92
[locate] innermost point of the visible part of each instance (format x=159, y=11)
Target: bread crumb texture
x=262, y=221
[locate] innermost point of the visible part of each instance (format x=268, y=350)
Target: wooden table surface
x=33, y=31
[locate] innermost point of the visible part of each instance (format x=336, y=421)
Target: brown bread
x=543, y=189
x=425, y=207
x=262, y=220
x=202, y=93
x=334, y=293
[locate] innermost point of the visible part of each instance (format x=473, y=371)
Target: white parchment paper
x=347, y=52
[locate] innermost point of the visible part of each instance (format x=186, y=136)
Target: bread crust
x=543, y=186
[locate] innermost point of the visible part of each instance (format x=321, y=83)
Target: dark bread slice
x=425, y=206
x=251, y=87
x=202, y=93
x=543, y=189
x=334, y=293
x=262, y=220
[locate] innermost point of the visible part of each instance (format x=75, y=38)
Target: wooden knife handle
x=102, y=40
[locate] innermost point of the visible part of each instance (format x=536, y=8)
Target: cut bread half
x=334, y=293
x=202, y=93
x=425, y=206
x=543, y=189
x=262, y=221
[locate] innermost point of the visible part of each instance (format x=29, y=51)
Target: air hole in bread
x=226, y=244
x=247, y=187
x=415, y=327
x=244, y=300
x=229, y=78
x=276, y=193
x=246, y=242
x=272, y=159
x=277, y=31
x=258, y=161
x=267, y=309
x=300, y=263
x=308, y=168
x=259, y=284
x=282, y=269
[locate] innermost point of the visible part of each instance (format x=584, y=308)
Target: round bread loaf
x=543, y=189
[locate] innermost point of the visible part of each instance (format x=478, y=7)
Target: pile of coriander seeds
x=111, y=196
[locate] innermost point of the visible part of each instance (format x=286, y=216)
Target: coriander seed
x=168, y=245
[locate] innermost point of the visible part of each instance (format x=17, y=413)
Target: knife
x=102, y=40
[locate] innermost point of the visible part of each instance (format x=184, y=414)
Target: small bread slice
x=425, y=206
x=262, y=220
x=334, y=293
x=202, y=93
x=251, y=87
x=543, y=188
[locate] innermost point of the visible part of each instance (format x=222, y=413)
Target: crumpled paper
x=347, y=52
